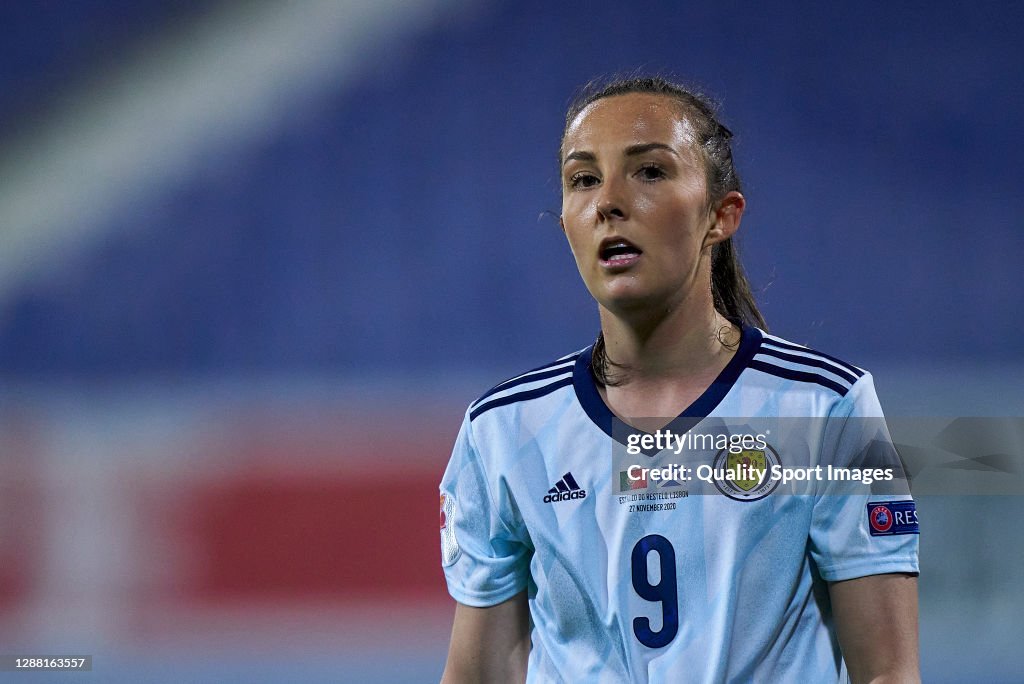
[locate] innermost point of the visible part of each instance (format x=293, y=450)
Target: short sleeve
x=856, y=531
x=484, y=560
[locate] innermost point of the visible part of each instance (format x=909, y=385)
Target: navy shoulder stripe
x=807, y=361
x=520, y=396
x=806, y=350
x=538, y=373
x=799, y=376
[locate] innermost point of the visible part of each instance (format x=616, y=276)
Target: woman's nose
x=610, y=203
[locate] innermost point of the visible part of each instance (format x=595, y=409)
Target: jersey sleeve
x=856, y=531
x=484, y=559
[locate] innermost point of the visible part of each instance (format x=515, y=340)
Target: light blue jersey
x=671, y=579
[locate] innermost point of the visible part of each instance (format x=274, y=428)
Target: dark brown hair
x=730, y=290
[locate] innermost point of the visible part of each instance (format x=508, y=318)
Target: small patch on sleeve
x=886, y=518
x=449, y=544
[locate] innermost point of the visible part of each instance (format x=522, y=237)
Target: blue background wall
x=405, y=209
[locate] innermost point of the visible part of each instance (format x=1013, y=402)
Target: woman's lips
x=620, y=262
x=617, y=253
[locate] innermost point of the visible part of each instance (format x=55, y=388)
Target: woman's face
x=634, y=204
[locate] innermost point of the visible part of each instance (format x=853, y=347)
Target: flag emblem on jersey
x=449, y=545
x=887, y=518
x=625, y=483
x=748, y=464
x=565, y=489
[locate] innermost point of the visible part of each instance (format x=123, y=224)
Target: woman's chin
x=631, y=301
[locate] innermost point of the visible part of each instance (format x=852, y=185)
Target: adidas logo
x=565, y=489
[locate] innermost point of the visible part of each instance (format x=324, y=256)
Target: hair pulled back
x=730, y=289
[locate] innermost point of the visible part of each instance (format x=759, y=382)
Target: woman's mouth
x=618, y=253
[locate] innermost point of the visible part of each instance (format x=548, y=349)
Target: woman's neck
x=679, y=344
x=662, y=366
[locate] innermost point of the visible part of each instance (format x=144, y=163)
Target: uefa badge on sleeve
x=886, y=518
x=449, y=545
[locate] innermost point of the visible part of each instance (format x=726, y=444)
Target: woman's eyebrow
x=579, y=156
x=631, y=151
x=642, y=148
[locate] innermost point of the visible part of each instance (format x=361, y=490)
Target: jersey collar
x=598, y=411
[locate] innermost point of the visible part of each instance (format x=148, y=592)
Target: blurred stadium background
x=256, y=258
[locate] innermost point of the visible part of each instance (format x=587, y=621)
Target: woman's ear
x=725, y=218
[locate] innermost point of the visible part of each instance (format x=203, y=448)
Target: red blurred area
x=351, y=536
x=293, y=515
x=22, y=533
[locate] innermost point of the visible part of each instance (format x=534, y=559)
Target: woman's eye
x=582, y=180
x=651, y=172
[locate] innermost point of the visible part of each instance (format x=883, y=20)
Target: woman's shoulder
x=528, y=385
x=800, y=363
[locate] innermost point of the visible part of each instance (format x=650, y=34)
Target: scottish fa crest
x=746, y=475
x=749, y=467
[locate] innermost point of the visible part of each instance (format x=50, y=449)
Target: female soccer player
x=566, y=568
